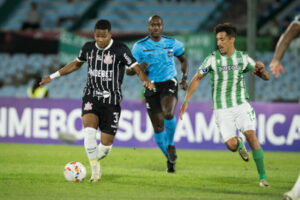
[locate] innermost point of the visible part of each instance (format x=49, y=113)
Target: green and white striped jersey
x=227, y=78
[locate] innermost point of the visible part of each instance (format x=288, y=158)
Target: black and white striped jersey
x=106, y=68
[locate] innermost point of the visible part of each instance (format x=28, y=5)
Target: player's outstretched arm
x=184, y=68
x=72, y=66
x=261, y=72
x=142, y=75
x=291, y=33
x=191, y=89
x=143, y=66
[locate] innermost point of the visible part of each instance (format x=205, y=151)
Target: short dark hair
x=226, y=27
x=103, y=24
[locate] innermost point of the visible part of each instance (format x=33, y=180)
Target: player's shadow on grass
x=201, y=187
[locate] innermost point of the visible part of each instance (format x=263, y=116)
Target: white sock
x=95, y=167
x=103, y=151
x=90, y=142
x=296, y=188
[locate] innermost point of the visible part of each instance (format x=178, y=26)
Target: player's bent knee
x=232, y=144
x=168, y=115
x=158, y=129
x=90, y=120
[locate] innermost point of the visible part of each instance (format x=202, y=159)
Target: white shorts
x=241, y=117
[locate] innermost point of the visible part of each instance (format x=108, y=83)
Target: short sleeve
x=205, y=66
x=178, y=48
x=250, y=64
x=127, y=57
x=82, y=54
x=138, y=53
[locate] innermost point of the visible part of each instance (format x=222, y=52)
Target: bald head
x=157, y=17
x=155, y=27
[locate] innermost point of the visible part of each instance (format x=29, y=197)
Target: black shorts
x=108, y=114
x=162, y=89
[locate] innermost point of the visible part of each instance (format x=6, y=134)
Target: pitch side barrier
x=38, y=121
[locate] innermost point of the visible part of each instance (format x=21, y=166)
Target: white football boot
x=263, y=183
x=96, y=172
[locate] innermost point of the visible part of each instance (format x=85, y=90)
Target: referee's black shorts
x=108, y=114
x=162, y=89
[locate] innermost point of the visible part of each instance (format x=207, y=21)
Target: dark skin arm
x=184, y=68
x=69, y=68
x=142, y=75
x=143, y=66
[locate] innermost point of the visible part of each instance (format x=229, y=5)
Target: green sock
x=240, y=146
x=258, y=156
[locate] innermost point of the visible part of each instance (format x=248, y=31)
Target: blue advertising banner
x=40, y=120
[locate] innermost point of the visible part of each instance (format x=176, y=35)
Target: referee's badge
x=108, y=58
x=88, y=106
x=170, y=53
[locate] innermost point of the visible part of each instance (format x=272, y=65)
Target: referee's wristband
x=55, y=75
x=185, y=101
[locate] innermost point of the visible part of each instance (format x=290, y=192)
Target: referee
x=106, y=60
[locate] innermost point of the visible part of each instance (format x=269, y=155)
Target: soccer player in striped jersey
x=156, y=53
x=226, y=68
x=101, y=109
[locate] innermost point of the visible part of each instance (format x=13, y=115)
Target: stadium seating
x=18, y=76
x=131, y=16
x=51, y=11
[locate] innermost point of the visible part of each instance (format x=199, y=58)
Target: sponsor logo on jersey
x=104, y=94
x=88, y=106
x=105, y=75
x=98, y=57
x=129, y=61
x=172, y=91
x=108, y=58
x=90, y=57
x=228, y=68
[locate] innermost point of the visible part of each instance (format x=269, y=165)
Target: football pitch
x=36, y=172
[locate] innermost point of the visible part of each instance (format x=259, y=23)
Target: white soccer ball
x=74, y=171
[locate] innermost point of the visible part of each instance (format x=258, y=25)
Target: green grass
x=36, y=172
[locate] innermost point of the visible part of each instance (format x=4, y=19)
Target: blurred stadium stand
x=51, y=11
x=17, y=72
x=20, y=63
x=131, y=16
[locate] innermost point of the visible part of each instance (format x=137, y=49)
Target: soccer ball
x=74, y=171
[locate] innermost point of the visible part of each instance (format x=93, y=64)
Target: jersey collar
x=107, y=47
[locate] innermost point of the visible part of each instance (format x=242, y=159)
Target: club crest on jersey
x=205, y=70
x=170, y=53
x=88, y=106
x=108, y=58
